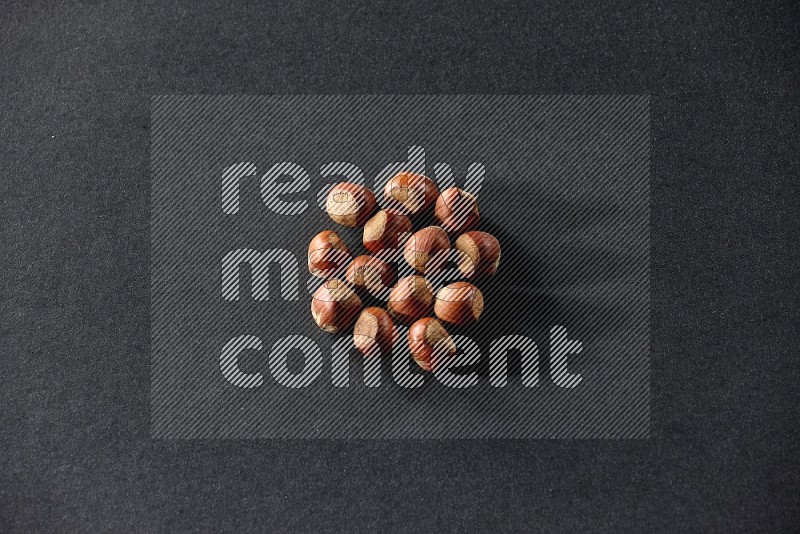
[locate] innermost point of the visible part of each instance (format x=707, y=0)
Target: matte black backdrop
x=76, y=81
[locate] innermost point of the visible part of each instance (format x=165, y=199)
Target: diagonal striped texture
x=561, y=349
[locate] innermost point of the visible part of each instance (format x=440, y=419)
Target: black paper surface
x=76, y=450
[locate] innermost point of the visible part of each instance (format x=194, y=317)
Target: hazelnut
x=370, y=274
x=430, y=343
x=410, y=299
x=483, y=253
x=335, y=306
x=350, y=204
x=456, y=210
x=459, y=303
x=327, y=253
x=373, y=333
x=410, y=192
x=423, y=245
x=385, y=229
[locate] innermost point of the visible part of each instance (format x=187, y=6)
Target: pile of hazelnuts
x=411, y=300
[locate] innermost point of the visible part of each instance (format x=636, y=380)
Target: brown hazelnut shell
x=456, y=210
x=374, y=331
x=410, y=299
x=483, y=251
x=429, y=343
x=384, y=230
x=422, y=247
x=327, y=252
x=410, y=192
x=350, y=204
x=370, y=275
x=459, y=303
x=334, y=306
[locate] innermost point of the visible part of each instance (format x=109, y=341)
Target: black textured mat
x=77, y=79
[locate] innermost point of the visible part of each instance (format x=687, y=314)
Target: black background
x=573, y=253
x=76, y=82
